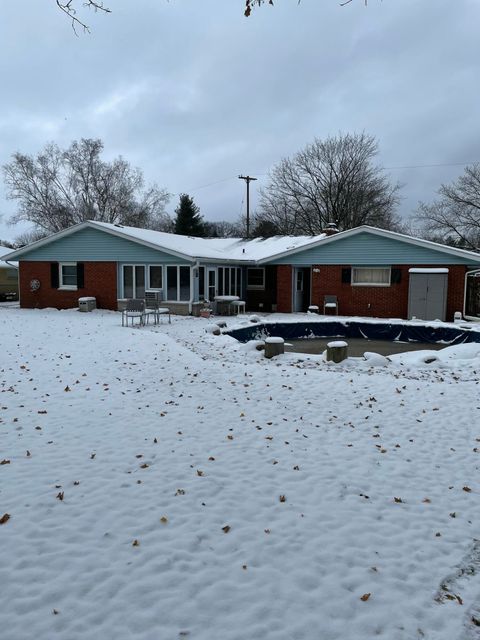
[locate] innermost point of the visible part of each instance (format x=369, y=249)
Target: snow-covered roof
x=3, y=252
x=256, y=251
x=213, y=248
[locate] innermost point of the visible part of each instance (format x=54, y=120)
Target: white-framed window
x=67, y=275
x=229, y=281
x=371, y=276
x=256, y=278
x=133, y=280
x=178, y=285
x=155, y=276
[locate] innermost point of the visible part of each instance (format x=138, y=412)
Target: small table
x=224, y=306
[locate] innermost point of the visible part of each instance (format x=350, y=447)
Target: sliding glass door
x=133, y=281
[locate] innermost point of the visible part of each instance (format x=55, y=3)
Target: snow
x=163, y=482
x=428, y=270
x=223, y=249
x=274, y=340
x=337, y=344
x=3, y=264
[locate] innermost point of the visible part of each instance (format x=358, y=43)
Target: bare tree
x=455, y=217
x=332, y=180
x=59, y=188
x=223, y=229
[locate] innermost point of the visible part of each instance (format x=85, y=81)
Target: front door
x=427, y=295
x=211, y=284
x=299, y=290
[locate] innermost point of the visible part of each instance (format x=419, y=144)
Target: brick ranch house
x=372, y=272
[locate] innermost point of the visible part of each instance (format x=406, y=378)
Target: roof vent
x=331, y=229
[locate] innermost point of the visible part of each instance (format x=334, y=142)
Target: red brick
x=100, y=282
x=284, y=288
x=380, y=302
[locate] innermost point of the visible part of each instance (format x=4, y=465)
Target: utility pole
x=248, y=179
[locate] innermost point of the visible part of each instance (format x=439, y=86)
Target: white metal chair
x=134, y=309
x=152, y=305
x=330, y=302
x=238, y=306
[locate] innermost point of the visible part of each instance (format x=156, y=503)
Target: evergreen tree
x=188, y=221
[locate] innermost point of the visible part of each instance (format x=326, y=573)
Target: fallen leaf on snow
x=365, y=597
x=5, y=518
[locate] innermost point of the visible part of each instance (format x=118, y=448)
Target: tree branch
x=68, y=7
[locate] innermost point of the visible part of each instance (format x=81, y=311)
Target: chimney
x=331, y=229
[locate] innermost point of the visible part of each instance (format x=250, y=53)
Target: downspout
x=196, y=267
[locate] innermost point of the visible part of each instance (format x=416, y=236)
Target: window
x=178, y=283
x=184, y=283
x=371, y=276
x=229, y=281
x=299, y=284
x=255, y=278
x=201, y=283
x=133, y=281
x=67, y=275
x=155, y=276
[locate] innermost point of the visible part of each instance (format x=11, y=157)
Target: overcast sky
x=193, y=93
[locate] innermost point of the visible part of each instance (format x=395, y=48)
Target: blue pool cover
x=447, y=335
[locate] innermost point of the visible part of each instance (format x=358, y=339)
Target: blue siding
x=369, y=249
x=91, y=245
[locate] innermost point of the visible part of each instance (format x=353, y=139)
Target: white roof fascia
x=428, y=244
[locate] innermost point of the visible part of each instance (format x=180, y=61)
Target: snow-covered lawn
x=166, y=483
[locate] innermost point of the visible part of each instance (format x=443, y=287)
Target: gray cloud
x=193, y=93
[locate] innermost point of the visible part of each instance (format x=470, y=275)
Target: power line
x=393, y=167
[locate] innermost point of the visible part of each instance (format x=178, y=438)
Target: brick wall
x=380, y=302
x=100, y=282
x=284, y=288
x=456, y=289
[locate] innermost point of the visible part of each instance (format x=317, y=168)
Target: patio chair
x=238, y=306
x=134, y=308
x=152, y=306
x=330, y=302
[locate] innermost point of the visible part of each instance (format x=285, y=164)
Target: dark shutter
x=80, y=275
x=54, y=275
x=396, y=276
x=347, y=275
